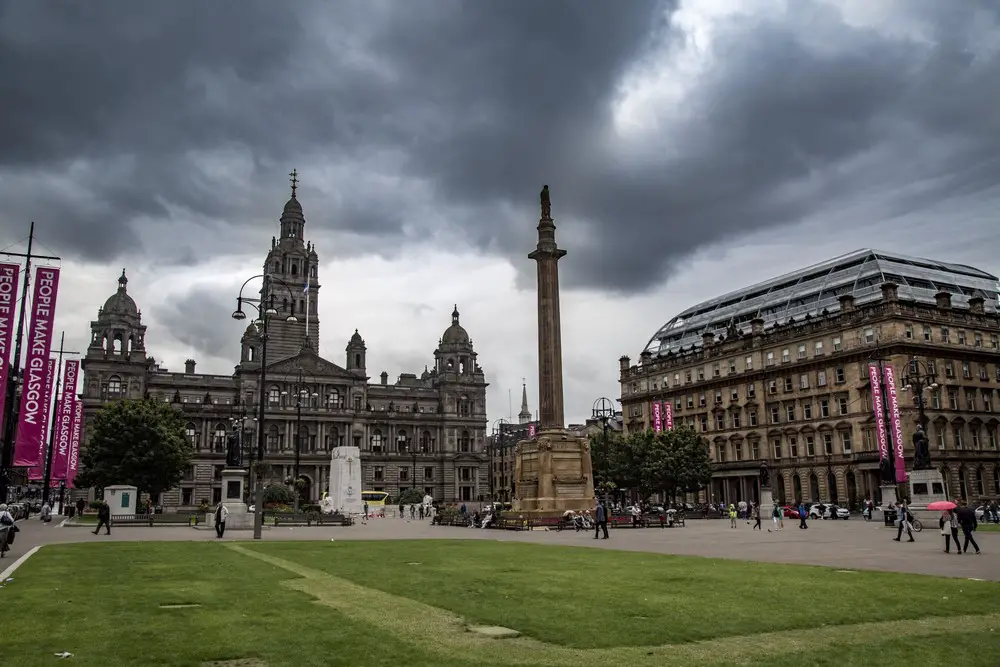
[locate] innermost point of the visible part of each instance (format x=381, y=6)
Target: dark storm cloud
x=124, y=117
x=208, y=330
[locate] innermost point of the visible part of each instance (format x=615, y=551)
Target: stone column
x=550, y=388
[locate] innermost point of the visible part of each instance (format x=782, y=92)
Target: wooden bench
x=308, y=519
x=132, y=519
x=177, y=519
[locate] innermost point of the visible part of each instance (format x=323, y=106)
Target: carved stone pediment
x=311, y=364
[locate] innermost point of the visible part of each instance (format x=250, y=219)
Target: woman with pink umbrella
x=948, y=523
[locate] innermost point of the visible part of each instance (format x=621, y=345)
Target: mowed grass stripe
x=435, y=630
x=587, y=598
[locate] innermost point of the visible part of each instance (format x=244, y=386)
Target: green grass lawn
x=408, y=603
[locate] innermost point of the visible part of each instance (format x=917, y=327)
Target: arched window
x=284, y=305
x=333, y=399
x=377, y=442
x=402, y=442
x=115, y=387
x=980, y=483
x=274, y=396
x=295, y=268
x=333, y=438
x=465, y=442
x=191, y=433
x=426, y=442
x=273, y=439
x=219, y=438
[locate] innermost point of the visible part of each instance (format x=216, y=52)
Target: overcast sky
x=690, y=149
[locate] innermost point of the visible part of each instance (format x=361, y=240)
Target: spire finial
x=122, y=281
x=454, y=315
x=294, y=178
x=546, y=203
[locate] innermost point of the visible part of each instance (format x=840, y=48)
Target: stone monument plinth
x=553, y=471
x=554, y=474
x=926, y=486
x=344, y=495
x=234, y=482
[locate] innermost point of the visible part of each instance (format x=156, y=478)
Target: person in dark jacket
x=967, y=520
x=104, y=519
x=601, y=520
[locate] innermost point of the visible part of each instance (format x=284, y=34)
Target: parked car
x=826, y=511
x=790, y=512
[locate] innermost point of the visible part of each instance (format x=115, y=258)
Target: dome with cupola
x=120, y=303
x=456, y=333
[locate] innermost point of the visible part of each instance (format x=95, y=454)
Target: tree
x=137, y=442
x=681, y=462
x=673, y=462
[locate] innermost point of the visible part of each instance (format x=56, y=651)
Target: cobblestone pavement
x=849, y=544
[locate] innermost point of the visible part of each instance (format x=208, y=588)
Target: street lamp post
x=265, y=308
x=301, y=391
x=499, y=450
x=604, y=411
x=920, y=377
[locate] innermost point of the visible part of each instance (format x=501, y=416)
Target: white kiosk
x=121, y=499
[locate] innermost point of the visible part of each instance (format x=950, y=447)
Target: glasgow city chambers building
x=778, y=372
x=424, y=431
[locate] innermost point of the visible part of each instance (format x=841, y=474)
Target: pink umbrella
x=942, y=506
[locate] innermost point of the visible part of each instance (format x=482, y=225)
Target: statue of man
x=546, y=204
x=885, y=468
x=921, y=450
x=765, y=475
x=234, y=457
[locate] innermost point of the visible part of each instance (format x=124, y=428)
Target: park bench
x=308, y=519
x=176, y=519
x=131, y=519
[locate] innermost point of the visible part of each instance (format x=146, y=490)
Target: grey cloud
x=456, y=113
x=200, y=311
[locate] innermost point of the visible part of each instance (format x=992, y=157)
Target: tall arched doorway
x=852, y=489
x=305, y=488
x=813, y=487
x=797, y=487
x=831, y=485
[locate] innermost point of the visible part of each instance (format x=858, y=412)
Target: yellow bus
x=375, y=500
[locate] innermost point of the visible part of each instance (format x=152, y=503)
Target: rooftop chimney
x=756, y=326
x=943, y=300
x=189, y=366
x=846, y=303
x=645, y=357
x=976, y=305
x=707, y=339
x=890, y=292
x=624, y=362
x=385, y=378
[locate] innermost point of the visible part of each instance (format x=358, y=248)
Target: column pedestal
x=553, y=474
x=234, y=482
x=766, y=502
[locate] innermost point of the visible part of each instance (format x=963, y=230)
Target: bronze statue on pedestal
x=921, y=450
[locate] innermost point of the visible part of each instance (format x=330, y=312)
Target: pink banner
x=76, y=436
x=896, y=422
x=29, y=447
x=668, y=417
x=64, y=422
x=879, y=411
x=657, y=417
x=531, y=430
x=38, y=472
x=9, y=274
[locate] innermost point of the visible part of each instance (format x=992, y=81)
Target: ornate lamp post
x=265, y=308
x=920, y=377
x=604, y=411
x=499, y=451
x=301, y=392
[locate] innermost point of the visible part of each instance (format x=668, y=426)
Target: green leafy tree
x=679, y=459
x=137, y=442
x=408, y=497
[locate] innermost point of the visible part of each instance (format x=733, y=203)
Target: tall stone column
x=550, y=377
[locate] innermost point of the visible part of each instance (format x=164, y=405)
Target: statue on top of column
x=546, y=204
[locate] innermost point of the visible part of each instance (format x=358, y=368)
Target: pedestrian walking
x=949, y=528
x=775, y=517
x=103, y=518
x=905, y=522
x=802, y=516
x=968, y=522
x=601, y=524
x=756, y=517
x=221, y=514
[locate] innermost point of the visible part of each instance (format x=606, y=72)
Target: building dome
x=120, y=303
x=455, y=334
x=357, y=340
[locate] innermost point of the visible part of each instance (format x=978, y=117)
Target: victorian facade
x=795, y=391
x=426, y=431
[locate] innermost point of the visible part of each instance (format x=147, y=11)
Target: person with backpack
x=905, y=521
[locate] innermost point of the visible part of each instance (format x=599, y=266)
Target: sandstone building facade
x=778, y=372
x=426, y=431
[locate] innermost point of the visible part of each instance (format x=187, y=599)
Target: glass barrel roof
x=817, y=288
